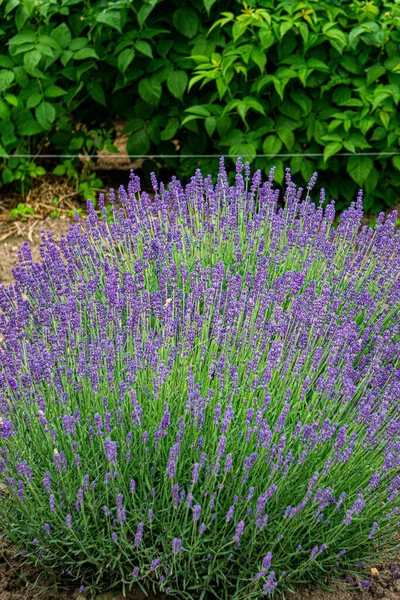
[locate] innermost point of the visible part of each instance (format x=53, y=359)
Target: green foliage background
x=208, y=77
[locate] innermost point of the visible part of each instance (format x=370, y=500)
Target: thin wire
x=190, y=155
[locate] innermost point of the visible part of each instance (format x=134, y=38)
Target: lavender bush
x=203, y=395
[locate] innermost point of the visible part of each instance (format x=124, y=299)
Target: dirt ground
x=19, y=581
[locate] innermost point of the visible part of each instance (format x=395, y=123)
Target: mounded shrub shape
x=204, y=393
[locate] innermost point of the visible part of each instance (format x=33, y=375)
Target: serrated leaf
x=144, y=48
x=331, y=149
x=272, y=145
x=96, y=92
x=359, y=167
x=150, y=91
x=186, y=21
x=138, y=143
x=125, y=58
x=111, y=18
x=45, y=114
x=177, y=82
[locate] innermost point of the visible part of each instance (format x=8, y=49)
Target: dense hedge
x=265, y=77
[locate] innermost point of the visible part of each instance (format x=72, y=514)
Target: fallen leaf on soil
x=374, y=571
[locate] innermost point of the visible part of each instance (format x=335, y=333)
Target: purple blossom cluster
x=208, y=384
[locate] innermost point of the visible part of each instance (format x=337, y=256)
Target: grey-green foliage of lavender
x=204, y=394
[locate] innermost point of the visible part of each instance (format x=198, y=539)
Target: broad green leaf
x=125, y=58
x=85, y=53
x=6, y=62
x=111, y=18
x=144, y=12
x=96, y=92
x=359, y=167
x=286, y=135
x=30, y=127
x=45, y=114
x=177, y=82
x=21, y=17
x=337, y=38
x=144, y=48
x=170, y=129
x=11, y=99
x=302, y=99
x=78, y=43
x=247, y=151
x=34, y=100
x=349, y=146
x=59, y=170
x=11, y=4
x=24, y=37
x=6, y=80
x=250, y=102
x=223, y=125
x=331, y=149
x=208, y=4
x=272, y=145
x=150, y=91
x=238, y=29
x=374, y=72
x=31, y=60
x=285, y=27
x=62, y=35
x=199, y=110
x=53, y=91
x=186, y=21
x=50, y=41
x=138, y=143
x=396, y=162
x=385, y=118
x=259, y=57
x=133, y=125
x=189, y=118
x=210, y=124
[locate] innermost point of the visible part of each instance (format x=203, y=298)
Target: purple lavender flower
x=196, y=512
x=68, y=521
x=177, y=546
x=138, y=535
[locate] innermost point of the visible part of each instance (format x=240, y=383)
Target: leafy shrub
x=263, y=77
x=203, y=394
